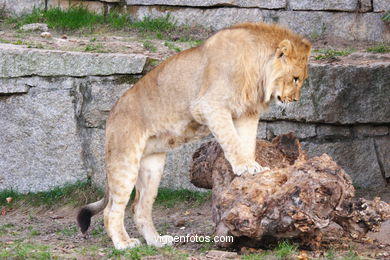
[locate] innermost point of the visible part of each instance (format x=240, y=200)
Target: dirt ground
x=33, y=232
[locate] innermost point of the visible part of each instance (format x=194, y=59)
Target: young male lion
x=220, y=87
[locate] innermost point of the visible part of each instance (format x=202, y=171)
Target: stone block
x=94, y=6
x=13, y=86
x=16, y=61
x=358, y=159
x=267, y=4
x=382, y=146
x=381, y=5
x=177, y=166
x=330, y=131
x=331, y=5
x=301, y=130
x=20, y=7
x=99, y=96
x=39, y=139
x=365, y=5
x=333, y=94
x=370, y=130
x=349, y=26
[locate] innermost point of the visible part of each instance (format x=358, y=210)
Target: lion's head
x=290, y=69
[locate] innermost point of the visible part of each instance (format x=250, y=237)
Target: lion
x=220, y=87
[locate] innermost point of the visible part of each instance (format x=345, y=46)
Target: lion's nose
x=280, y=98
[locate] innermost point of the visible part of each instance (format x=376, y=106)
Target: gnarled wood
x=297, y=198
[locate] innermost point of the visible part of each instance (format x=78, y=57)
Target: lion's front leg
x=246, y=127
x=220, y=122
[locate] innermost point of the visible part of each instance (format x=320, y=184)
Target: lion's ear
x=307, y=45
x=284, y=49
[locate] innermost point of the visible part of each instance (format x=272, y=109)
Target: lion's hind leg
x=122, y=163
x=151, y=170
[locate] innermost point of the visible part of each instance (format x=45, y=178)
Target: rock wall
x=346, y=19
x=53, y=107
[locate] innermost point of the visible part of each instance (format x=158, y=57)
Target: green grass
x=284, y=249
x=148, y=45
x=77, y=17
x=351, y=255
x=169, y=198
x=94, y=48
x=22, y=250
x=381, y=48
x=172, y=46
x=386, y=17
x=325, y=54
x=82, y=193
x=330, y=255
x=261, y=256
x=135, y=253
x=68, y=231
x=76, y=194
x=160, y=24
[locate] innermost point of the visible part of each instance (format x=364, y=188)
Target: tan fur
x=220, y=87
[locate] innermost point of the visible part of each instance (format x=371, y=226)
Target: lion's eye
x=296, y=79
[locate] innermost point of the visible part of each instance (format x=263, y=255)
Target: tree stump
x=296, y=199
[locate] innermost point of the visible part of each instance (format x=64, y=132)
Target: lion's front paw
x=251, y=167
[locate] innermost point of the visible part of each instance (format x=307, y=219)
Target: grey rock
x=262, y=130
x=13, y=86
x=39, y=139
x=365, y=5
x=301, y=130
x=382, y=146
x=94, y=155
x=330, y=131
x=349, y=26
x=16, y=61
x=100, y=95
x=268, y=4
x=177, y=166
x=381, y=5
x=333, y=94
x=35, y=27
x=20, y=7
x=358, y=159
x=333, y=5
x=369, y=130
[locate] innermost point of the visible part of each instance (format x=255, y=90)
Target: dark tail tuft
x=84, y=219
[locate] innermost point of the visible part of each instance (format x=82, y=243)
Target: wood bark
x=296, y=199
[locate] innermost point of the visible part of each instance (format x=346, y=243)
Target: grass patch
x=260, y=256
x=135, y=253
x=68, y=231
x=148, y=45
x=94, y=48
x=326, y=54
x=285, y=249
x=76, y=194
x=77, y=17
x=386, y=17
x=172, y=46
x=82, y=193
x=160, y=24
x=22, y=250
x=381, y=48
x=169, y=198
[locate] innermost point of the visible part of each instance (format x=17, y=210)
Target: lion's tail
x=87, y=212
